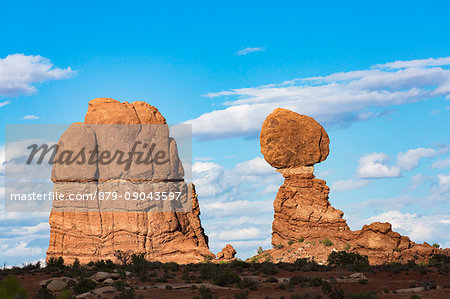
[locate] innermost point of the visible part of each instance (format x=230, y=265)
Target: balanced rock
x=305, y=224
x=90, y=230
x=289, y=139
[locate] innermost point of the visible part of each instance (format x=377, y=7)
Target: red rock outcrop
x=305, y=224
x=227, y=253
x=94, y=230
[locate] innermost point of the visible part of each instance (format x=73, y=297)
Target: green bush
x=343, y=258
x=301, y=240
x=83, y=285
x=259, y=250
x=362, y=295
x=219, y=274
x=55, y=263
x=326, y=242
x=10, y=289
x=439, y=259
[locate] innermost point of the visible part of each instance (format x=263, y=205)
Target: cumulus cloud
x=338, y=99
x=444, y=183
x=445, y=163
x=27, y=117
x=249, y=50
x=429, y=228
x=410, y=159
x=240, y=234
x=231, y=196
x=20, y=73
x=22, y=249
x=352, y=184
x=372, y=166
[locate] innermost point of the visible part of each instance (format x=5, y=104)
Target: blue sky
x=223, y=68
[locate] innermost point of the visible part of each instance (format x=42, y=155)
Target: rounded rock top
x=290, y=140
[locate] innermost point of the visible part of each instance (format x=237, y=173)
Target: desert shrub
x=106, y=266
x=138, y=263
x=315, y=282
x=301, y=240
x=271, y=279
x=122, y=256
x=30, y=266
x=266, y=268
x=238, y=264
x=337, y=294
x=259, y=250
x=205, y=293
x=128, y=293
x=290, y=242
x=219, y=274
x=56, y=263
x=326, y=287
x=415, y=297
x=436, y=245
x=439, y=259
x=241, y=295
x=11, y=289
x=347, y=247
x=295, y=280
x=119, y=285
x=83, y=285
x=44, y=293
x=363, y=281
x=362, y=295
x=208, y=259
x=248, y=283
x=326, y=242
x=343, y=258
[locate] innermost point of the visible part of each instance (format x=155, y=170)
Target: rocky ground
x=137, y=278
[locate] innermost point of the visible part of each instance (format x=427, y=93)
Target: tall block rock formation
x=304, y=218
x=94, y=230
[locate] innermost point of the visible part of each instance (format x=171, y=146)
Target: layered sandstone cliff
x=305, y=224
x=166, y=231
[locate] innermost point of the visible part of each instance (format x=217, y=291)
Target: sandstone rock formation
x=305, y=224
x=227, y=253
x=165, y=231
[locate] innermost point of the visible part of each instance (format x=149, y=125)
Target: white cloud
x=351, y=184
x=416, y=181
x=240, y=234
x=335, y=100
x=30, y=117
x=429, y=228
x=256, y=166
x=372, y=166
x=444, y=183
x=441, y=163
x=42, y=227
x=249, y=50
x=22, y=249
x=410, y=159
x=416, y=63
x=4, y=103
x=20, y=73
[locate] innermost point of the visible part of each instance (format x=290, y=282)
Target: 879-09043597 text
x=104, y=195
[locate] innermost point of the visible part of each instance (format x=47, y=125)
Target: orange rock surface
x=305, y=224
x=94, y=231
